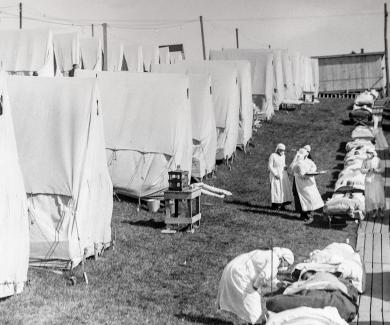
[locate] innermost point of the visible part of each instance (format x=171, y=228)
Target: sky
x=313, y=27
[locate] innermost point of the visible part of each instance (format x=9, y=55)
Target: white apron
x=374, y=185
x=280, y=188
x=236, y=293
x=309, y=196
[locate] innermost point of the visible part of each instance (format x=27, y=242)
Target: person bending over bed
x=239, y=289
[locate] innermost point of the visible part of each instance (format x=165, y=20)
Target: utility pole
x=237, y=38
x=202, y=33
x=92, y=30
x=386, y=53
x=105, y=47
x=20, y=15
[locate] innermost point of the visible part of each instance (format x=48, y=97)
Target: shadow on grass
x=386, y=127
x=327, y=195
x=342, y=147
x=202, y=319
x=255, y=208
x=291, y=215
x=319, y=222
x=347, y=122
x=151, y=223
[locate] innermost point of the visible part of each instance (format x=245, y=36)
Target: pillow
x=365, y=98
x=359, y=143
x=362, y=132
x=355, y=180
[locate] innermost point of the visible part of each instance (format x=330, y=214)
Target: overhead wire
x=153, y=24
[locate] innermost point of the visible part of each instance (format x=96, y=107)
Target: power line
x=8, y=7
x=151, y=24
x=41, y=20
x=372, y=13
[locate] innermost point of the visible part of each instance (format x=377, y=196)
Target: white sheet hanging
x=66, y=50
x=115, y=55
x=176, y=57
x=134, y=57
x=150, y=56
x=164, y=55
x=27, y=51
x=91, y=53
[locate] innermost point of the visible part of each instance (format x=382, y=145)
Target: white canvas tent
x=316, y=76
x=288, y=77
x=164, y=55
x=246, y=106
x=297, y=70
x=176, y=57
x=147, y=128
x=134, y=57
x=27, y=52
x=66, y=50
x=262, y=70
x=306, y=74
x=14, y=230
x=279, y=84
x=150, y=55
x=226, y=97
x=60, y=138
x=309, y=81
x=204, y=131
x=91, y=54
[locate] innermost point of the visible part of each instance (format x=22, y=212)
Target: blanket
x=346, y=204
x=359, y=144
x=315, y=299
x=342, y=258
x=354, y=179
x=307, y=316
x=321, y=290
x=362, y=132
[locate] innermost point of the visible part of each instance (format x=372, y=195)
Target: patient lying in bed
x=318, y=290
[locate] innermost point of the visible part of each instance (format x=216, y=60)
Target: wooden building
x=345, y=75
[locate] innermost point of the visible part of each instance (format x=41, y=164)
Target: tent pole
x=20, y=14
x=105, y=47
x=237, y=45
x=386, y=53
x=93, y=30
x=202, y=33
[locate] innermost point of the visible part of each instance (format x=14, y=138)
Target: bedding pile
x=348, y=198
x=362, y=108
x=329, y=279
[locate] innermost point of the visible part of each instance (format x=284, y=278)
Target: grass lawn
x=154, y=278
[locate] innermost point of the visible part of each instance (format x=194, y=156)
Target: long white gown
x=374, y=184
x=236, y=293
x=308, y=193
x=280, y=188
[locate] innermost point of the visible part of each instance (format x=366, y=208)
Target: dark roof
x=350, y=55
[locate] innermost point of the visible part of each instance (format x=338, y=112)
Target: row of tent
x=71, y=157
x=279, y=76
x=52, y=149
x=48, y=53
x=74, y=137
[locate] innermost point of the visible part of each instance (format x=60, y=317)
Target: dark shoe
x=304, y=216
